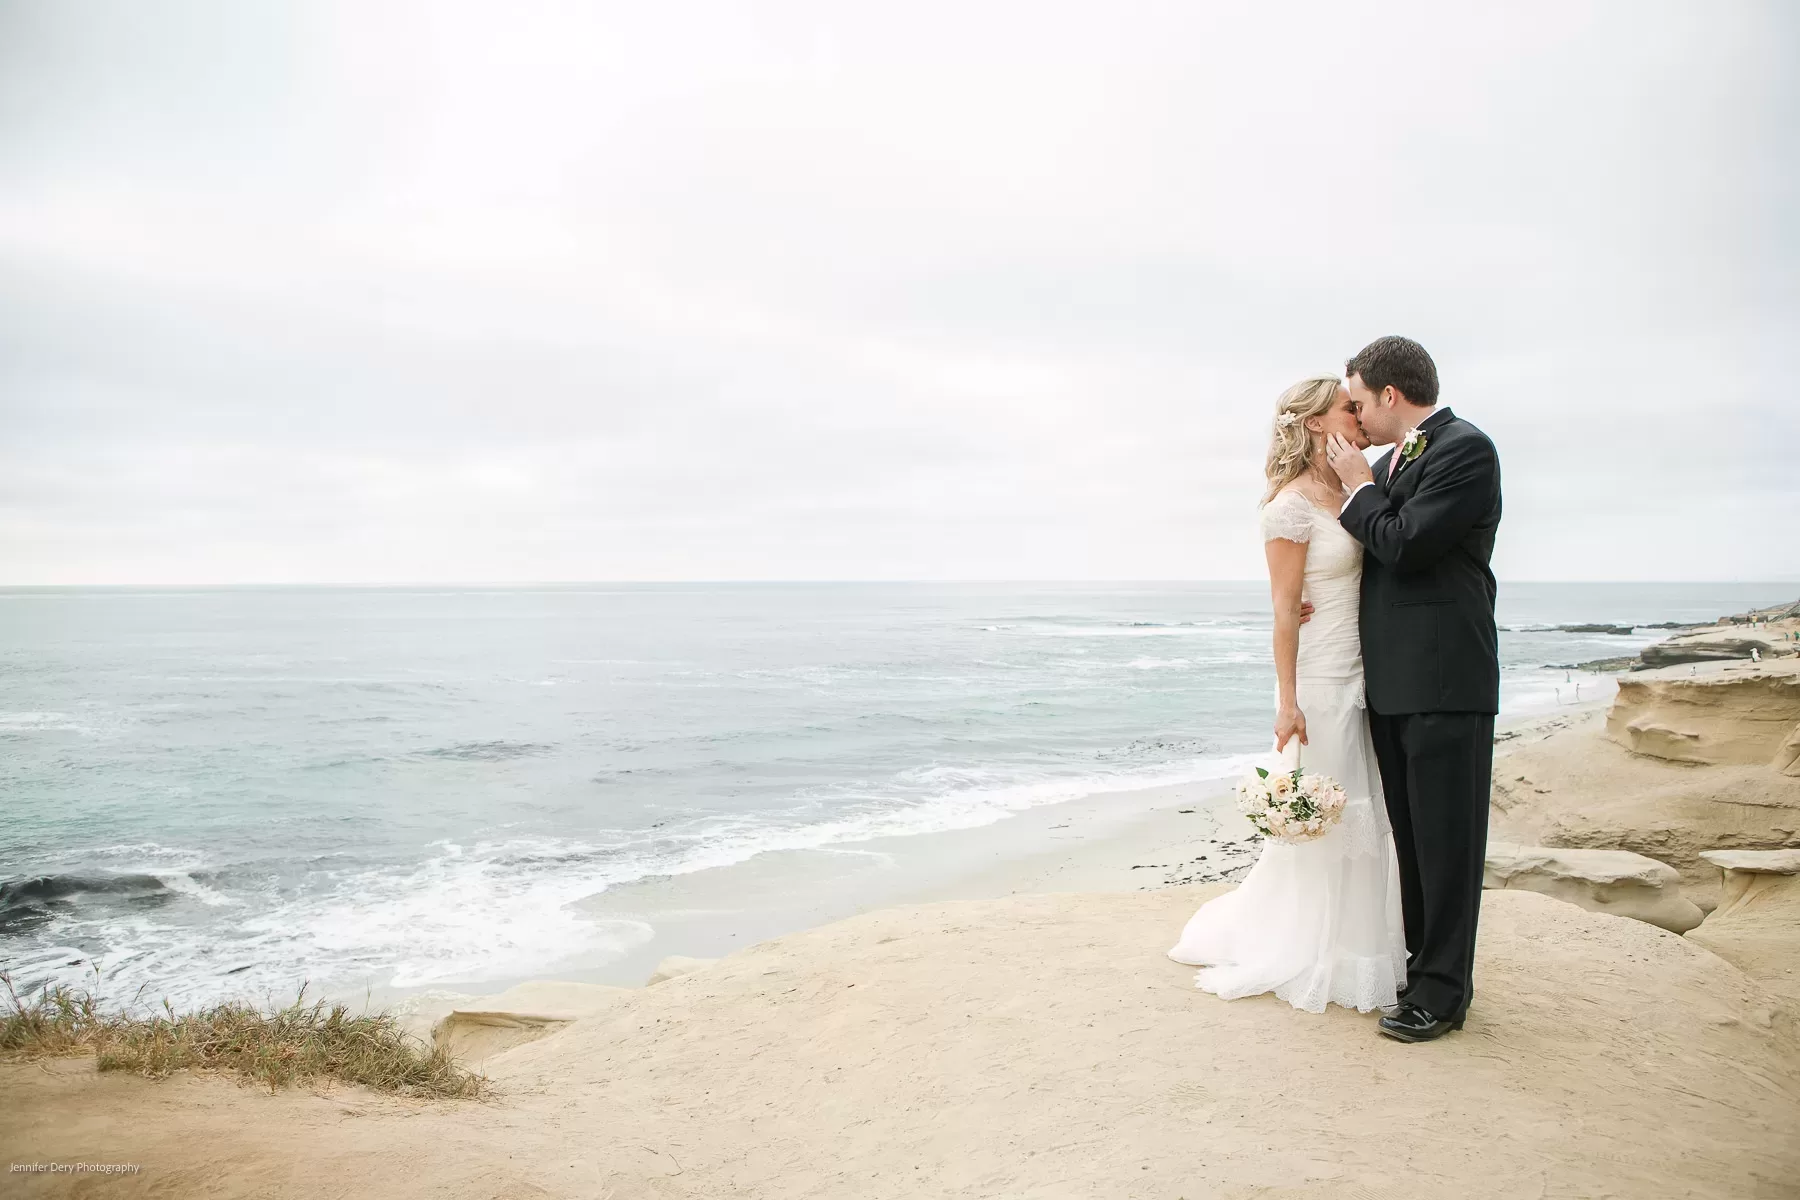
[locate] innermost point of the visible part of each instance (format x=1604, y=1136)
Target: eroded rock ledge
x=1757, y=924
x=1771, y=633
x=484, y=1026
x=1689, y=760
x=1610, y=881
x=1736, y=715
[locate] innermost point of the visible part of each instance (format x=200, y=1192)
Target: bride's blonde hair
x=1292, y=448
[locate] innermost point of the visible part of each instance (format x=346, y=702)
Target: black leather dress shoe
x=1414, y=1024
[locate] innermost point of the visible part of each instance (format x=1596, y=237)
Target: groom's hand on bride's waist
x=1306, y=611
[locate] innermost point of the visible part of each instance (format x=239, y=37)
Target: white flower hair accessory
x=1287, y=420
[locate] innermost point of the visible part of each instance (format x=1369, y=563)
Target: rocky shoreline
x=1763, y=633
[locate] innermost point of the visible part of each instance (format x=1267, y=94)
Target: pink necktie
x=1394, y=462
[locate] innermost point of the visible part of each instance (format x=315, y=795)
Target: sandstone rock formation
x=1608, y=881
x=1737, y=715
x=1575, y=787
x=518, y=1015
x=1757, y=924
x=1690, y=760
x=1709, y=646
x=676, y=965
x=1745, y=864
x=1787, y=756
x=1771, y=633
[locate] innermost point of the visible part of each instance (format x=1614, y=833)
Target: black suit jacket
x=1429, y=642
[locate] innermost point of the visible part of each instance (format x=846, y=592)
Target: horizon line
x=775, y=582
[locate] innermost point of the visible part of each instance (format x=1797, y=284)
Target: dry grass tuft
x=289, y=1045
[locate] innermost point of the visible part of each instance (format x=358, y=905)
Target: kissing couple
x=1390, y=687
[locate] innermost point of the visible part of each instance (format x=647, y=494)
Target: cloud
x=402, y=292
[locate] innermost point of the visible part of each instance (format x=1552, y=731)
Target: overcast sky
x=447, y=291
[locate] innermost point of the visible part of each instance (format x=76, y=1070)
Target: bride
x=1318, y=922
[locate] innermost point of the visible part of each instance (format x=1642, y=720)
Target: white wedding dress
x=1318, y=922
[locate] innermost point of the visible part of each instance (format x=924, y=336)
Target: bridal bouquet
x=1289, y=806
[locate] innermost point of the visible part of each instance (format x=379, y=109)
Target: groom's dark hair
x=1398, y=362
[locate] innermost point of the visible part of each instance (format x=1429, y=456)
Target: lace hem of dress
x=1364, y=984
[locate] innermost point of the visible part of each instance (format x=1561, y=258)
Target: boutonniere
x=1413, y=446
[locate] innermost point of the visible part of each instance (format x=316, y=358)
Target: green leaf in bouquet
x=1264, y=774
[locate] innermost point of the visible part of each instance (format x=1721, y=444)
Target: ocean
x=218, y=792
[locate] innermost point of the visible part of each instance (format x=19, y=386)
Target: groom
x=1426, y=516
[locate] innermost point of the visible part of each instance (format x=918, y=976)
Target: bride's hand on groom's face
x=1352, y=468
x=1290, y=722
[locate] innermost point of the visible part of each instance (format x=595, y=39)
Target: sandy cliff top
x=1034, y=1046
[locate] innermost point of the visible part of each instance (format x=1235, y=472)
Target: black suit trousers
x=1435, y=768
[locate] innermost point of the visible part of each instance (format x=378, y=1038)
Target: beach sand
x=1030, y=1046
